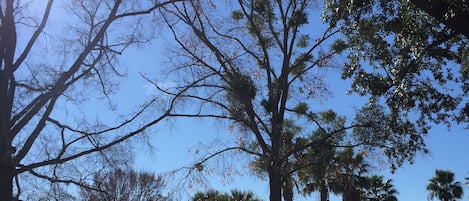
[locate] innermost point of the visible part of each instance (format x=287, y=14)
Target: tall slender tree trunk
x=287, y=188
x=275, y=181
x=6, y=151
x=6, y=177
x=324, y=193
x=7, y=92
x=274, y=169
x=6, y=167
x=351, y=195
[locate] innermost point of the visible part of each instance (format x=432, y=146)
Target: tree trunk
x=6, y=165
x=275, y=181
x=7, y=91
x=274, y=169
x=6, y=151
x=287, y=188
x=324, y=193
x=7, y=51
x=351, y=195
x=6, y=177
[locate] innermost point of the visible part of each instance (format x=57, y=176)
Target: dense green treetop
x=443, y=186
x=257, y=64
x=452, y=13
x=400, y=56
x=214, y=195
x=378, y=190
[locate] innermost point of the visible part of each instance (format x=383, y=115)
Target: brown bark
x=275, y=182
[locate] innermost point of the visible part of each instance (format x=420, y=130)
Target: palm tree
x=377, y=190
x=327, y=168
x=238, y=195
x=210, y=195
x=214, y=195
x=340, y=173
x=348, y=178
x=443, y=187
x=317, y=177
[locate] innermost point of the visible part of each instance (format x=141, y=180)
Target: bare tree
x=254, y=64
x=44, y=84
x=124, y=185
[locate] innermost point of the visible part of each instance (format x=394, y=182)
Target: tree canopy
x=259, y=65
x=402, y=57
x=256, y=64
x=124, y=185
x=49, y=71
x=443, y=186
x=214, y=195
x=452, y=13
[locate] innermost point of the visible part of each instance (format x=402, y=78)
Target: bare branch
x=60, y=85
x=149, y=10
x=34, y=37
x=35, y=133
x=57, y=180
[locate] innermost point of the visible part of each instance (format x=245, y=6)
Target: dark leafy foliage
x=443, y=186
x=378, y=190
x=214, y=195
x=404, y=58
x=256, y=66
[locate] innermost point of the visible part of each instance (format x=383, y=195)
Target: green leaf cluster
x=299, y=66
x=241, y=91
x=303, y=41
x=237, y=15
x=214, y=195
x=298, y=19
x=443, y=186
x=404, y=57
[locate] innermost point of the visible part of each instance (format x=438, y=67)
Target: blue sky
x=174, y=138
x=447, y=151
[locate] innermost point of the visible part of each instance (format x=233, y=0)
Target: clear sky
x=174, y=138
